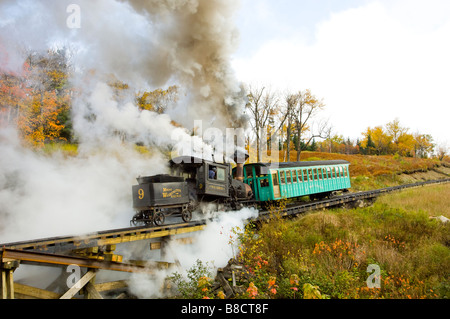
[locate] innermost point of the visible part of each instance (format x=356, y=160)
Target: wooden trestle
x=92, y=253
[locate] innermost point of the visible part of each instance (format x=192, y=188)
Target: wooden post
x=7, y=267
x=79, y=285
x=4, y=285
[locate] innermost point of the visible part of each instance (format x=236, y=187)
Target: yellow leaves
x=36, y=97
x=158, y=100
x=221, y=295
x=394, y=139
x=312, y=292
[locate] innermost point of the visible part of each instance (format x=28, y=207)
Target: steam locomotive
x=194, y=181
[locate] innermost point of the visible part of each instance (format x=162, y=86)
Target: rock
x=442, y=219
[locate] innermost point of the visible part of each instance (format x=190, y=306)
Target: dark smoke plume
x=157, y=42
x=196, y=46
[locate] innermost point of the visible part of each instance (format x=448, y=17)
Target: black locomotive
x=192, y=181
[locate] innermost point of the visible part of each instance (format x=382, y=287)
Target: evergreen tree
x=370, y=145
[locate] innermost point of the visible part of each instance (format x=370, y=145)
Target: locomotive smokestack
x=240, y=157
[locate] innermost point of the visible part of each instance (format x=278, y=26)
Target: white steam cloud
x=215, y=245
x=143, y=43
x=146, y=44
x=43, y=196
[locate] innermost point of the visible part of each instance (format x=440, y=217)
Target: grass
x=66, y=149
x=331, y=250
x=434, y=200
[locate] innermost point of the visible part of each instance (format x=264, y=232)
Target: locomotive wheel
x=186, y=214
x=147, y=222
x=159, y=218
x=134, y=221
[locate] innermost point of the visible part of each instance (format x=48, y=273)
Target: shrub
x=197, y=284
x=331, y=250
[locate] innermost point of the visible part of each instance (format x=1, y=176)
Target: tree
x=404, y=145
x=262, y=106
x=379, y=141
x=395, y=131
x=402, y=142
x=306, y=107
x=442, y=151
x=39, y=120
x=291, y=101
x=423, y=145
x=157, y=100
x=13, y=95
x=395, y=139
x=38, y=99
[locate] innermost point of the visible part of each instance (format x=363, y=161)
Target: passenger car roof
x=300, y=164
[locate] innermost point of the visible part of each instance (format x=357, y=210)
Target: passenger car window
x=275, y=179
x=283, y=177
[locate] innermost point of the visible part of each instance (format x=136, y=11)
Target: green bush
x=332, y=249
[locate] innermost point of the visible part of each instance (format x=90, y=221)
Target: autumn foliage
x=37, y=99
x=326, y=255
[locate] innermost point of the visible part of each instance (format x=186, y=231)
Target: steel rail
x=107, y=237
x=67, y=243
x=343, y=199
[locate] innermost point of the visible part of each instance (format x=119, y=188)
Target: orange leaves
x=252, y=290
x=38, y=121
x=37, y=99
x=395, y=242
x=271, y=286
x=339, y=254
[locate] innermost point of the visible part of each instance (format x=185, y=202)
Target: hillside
x=367, y=172
x=332, y=253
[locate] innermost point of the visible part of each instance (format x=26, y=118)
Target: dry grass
x=363, y=165
x=332, y=249
x=434, y=200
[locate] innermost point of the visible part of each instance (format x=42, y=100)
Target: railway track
x=65, y=244
x=345, y=199
x=94, y=251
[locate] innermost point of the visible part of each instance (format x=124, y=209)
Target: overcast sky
x=371, y=61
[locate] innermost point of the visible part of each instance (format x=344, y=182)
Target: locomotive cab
x=210, y=179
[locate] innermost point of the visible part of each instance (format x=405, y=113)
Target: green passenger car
x=296, y=179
